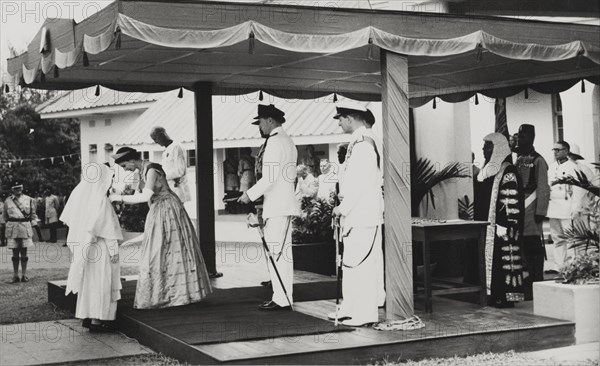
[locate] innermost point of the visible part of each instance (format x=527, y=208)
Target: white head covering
x=89, y=215
x=501, y=151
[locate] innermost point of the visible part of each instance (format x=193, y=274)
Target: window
x=557, y=118
x=108, y=147
x=191, y=158
x=107, y=122
x=93, y=153
x=92, y=124
x=146, y=155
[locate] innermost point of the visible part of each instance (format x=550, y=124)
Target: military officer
x=276, y=185
x=19, y=211
x=361, y=210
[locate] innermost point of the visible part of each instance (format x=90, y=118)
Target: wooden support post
x=205, y=205
x=396, y=152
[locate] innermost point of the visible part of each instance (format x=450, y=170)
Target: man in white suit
x=277, y=187
x=173, y=163
x=361, y=210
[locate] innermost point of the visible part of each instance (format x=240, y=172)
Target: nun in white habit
x=93, y=233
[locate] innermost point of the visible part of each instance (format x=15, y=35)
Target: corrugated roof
x=232, y=117
x=83, y=99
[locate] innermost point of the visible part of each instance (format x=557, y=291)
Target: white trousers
x=362, y=284
x=557, y=231
x=278, y=234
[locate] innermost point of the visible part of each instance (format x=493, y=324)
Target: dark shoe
x=272, y=305
x=215, y=275
x=266, y=284
x=24, y=279
x=15, y=279
x=551, y=271
x=86, y=323
x=65, y=245
x=101, y=328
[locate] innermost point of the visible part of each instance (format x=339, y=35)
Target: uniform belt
x=18, y=220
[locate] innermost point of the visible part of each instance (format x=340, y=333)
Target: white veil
x=89, y=215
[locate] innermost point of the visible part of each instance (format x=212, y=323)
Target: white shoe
x=331, y=316
x=355, y=323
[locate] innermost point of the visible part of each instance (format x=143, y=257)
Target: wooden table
x=428, y=232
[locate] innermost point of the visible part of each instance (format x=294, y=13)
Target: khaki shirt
x=17, y=229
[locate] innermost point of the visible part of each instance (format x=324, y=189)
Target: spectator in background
x=513, y=144
x=327, y=180
x=41, y=214
x=19, y=211
x=311, y=161
x=52, y=206
x=533, y=170
x=2, y=221
x=246, y=169
x=307, y=184
x=173, y=163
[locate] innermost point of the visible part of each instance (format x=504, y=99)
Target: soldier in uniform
x=534, y=173
x=277, y=187
x=19, y=210
x=361, y=210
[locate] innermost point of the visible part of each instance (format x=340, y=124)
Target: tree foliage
x=30, y=142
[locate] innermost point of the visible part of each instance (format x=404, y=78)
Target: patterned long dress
x=500, y=199
x=172, y=271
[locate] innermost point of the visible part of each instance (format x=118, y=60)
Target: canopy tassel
x=86, y=60
x=479, y=52
x=582, y=86
x=97, y=93
x=526, y=93
x=370, y=50
x=251, y=43
x=260, y=95
x=579, y=56
x=118, y=38
x=434, y=103
x=476, y=99
x=335, y=98
x=180, y=94
x=56, y=72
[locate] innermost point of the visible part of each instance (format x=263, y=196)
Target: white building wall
x=578, y=116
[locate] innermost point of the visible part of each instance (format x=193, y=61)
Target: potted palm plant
x=312, y=235
x=575, y=295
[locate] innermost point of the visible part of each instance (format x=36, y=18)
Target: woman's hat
x=122, y=152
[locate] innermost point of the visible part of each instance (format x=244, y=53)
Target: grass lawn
x=510, y=358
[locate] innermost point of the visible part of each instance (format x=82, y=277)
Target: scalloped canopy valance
x=304, y=52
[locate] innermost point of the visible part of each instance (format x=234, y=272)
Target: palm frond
x=424, y=177
x=582, y=235
x=581, y=181
x=466, y=209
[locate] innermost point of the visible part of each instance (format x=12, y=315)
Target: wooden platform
x=454, y=328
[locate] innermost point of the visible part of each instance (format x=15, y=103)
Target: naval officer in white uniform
x=277, y=187
x=361, y=211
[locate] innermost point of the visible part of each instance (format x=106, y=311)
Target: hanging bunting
x=180, y=94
